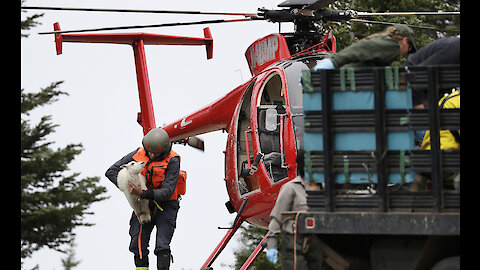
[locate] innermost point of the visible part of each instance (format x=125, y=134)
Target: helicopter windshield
x=273, y=124
x=271, y=112
x=293, y=72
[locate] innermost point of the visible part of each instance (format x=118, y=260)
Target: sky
x=101, y=109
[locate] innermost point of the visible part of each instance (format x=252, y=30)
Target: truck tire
x=450, y=263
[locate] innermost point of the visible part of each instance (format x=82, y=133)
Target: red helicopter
x=263, y=116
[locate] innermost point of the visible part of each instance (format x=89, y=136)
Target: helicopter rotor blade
x=248, y=15
x=409, y=25
x=146, y=26
x=307, y=6
x=419, y=13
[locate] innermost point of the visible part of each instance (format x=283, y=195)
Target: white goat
x=130, y=172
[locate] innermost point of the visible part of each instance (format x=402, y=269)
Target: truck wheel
x=450, y=263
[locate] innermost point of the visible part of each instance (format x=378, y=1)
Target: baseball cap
x=406, y=31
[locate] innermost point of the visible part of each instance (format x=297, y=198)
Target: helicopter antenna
x=241, y=77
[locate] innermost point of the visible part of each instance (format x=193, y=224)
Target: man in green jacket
x=379, y=49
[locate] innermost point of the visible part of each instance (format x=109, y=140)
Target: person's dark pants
x=309, y=256
x=165, y=221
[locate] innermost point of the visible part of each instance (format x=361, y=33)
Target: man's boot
x=141, y=264
x=163, y=261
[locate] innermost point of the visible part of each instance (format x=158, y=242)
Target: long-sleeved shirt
x=292, y=197
x=168, y=185
x=377, y=51
x=443, y=51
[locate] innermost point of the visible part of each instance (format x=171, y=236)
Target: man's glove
x=325, y=63
x=272, y=255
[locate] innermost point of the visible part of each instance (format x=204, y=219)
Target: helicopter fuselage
x=264, y=121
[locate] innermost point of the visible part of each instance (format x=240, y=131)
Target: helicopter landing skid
x=231, y=231
x=255, y=253
x=251, y=259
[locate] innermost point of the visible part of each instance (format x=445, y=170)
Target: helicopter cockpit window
x=246, y=182
x=271, y=107
x=271, y=119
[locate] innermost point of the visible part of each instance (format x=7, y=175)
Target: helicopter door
x=244, y=150
x=271, y=113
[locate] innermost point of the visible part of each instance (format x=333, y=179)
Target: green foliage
x=348, y=33
x=52, y=201
x=70, y=262
x=250, y=236
x=29, y=22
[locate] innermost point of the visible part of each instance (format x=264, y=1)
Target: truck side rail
x=359, y=146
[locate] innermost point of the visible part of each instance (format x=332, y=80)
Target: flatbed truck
x=371, y=211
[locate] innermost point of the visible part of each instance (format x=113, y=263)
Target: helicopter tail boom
x=213, y=117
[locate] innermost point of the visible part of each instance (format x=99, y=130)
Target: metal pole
x=327, y=141
x=380, y=138
x=435, y=153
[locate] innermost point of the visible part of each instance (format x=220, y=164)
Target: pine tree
x=70, y=262
x=29, y=22
x=348, y=33
x=250, y=236
x=52, y=202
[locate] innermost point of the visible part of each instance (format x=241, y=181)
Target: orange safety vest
x=155, y=172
